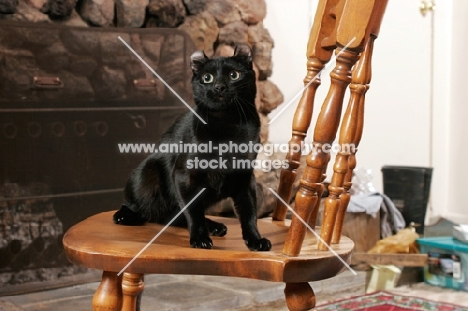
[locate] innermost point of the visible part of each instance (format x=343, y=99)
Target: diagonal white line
x=162, y=80
x=160, y=232
x=313, y=231
x=310, y=82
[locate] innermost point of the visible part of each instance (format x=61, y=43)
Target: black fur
x=224, y=92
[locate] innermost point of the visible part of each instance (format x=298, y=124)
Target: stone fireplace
x=70, y=92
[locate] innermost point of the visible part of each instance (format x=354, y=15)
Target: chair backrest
x=346, y=29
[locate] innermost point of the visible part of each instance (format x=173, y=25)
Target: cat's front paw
x=127, y=217
x=216, y=228
x=201, y=242
x=259, y=245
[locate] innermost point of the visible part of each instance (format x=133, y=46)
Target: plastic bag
x=362, y=182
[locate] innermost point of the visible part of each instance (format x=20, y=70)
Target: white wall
x=441, y=97
x=456, y=208
x=397, y=126
x=289, y=25
x=397, y=109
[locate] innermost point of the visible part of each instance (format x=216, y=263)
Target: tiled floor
x=176, y=292
x=172, y=292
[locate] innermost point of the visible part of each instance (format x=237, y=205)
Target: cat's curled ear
x=244, y=52
x=197, y=60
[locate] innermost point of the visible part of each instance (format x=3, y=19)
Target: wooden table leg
x=132, y=285
x=108, y=296
x=299, y=296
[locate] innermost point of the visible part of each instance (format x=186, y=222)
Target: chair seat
x=100, y=244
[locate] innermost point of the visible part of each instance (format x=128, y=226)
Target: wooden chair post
x=371, y=15
x=353, y=121
x=319, y=51
x=324, y=134
x=108, y=296
x=352, y=32
x=351, y=131
x=132, y=286
x=299, y=296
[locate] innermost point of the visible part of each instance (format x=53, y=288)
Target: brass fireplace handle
x=145, y=84
x=47, y=82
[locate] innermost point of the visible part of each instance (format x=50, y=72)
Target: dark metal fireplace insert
x=68, y=97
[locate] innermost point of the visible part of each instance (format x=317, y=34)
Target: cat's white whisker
x=240, y=109
x=241, y=100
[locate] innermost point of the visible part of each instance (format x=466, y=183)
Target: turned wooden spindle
x=340, y=167
x=301, y=123
x=352, y=128
x=108, y=296
x=314, y=213
x=351, y=131
x=132, y=286
x=319, y=51
x=317, y=160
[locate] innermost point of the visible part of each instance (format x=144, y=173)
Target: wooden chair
x=294, y=258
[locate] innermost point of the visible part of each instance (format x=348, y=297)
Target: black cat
x=224, y=92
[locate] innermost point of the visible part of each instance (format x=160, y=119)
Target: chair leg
x=108, y=296
x=132, y=286
x=299, y=296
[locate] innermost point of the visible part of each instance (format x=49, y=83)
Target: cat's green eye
x=208, y=78
x=234, y=75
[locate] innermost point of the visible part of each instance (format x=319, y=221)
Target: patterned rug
x=382, y=301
